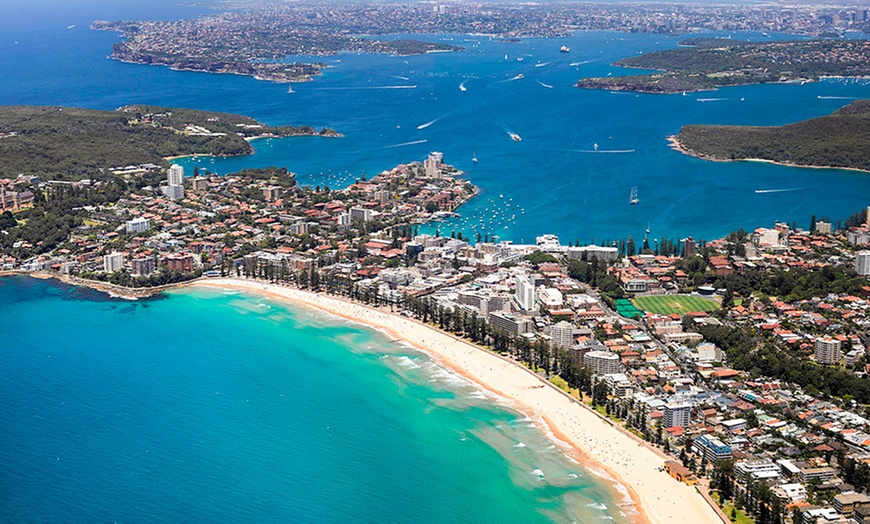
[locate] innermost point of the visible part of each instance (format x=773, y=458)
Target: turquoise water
x=214, y=406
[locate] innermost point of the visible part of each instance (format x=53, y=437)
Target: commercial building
x=601, y=362
x=827, y=350
x=137, y=225
x=525, y=293
x=113, y=262
x=677, y=415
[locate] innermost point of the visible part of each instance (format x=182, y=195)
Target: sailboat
x=632, y=199
x=647, y=228
x=290, y=88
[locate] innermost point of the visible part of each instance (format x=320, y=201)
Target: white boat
x=632, y=199
x=515, y=137
x=564, y=49
x=474, y=157
x=290, y=89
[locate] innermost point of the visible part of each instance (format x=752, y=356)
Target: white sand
x=625, y=458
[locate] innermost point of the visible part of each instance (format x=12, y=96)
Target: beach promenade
x=635, y=468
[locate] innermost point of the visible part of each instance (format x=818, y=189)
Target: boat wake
x=548, y=86
x=542, y=64
x=403, y=144
x=611, y=151
x=820, y=97
x=575, y=64
x=759, y=191
x=462, y=86
x=356, y=88
x=714, y=99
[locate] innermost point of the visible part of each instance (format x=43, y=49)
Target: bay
x=214, y=406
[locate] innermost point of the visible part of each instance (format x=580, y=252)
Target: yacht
x=632, y=199
x=515, y=137
x=564, y=49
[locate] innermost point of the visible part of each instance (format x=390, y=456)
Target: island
x=837, y=140
x=709, y=63
x=65, y=143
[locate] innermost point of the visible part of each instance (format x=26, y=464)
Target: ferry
x=564, y=49
x=515, y=137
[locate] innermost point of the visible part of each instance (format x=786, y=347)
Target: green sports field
x=680, y=304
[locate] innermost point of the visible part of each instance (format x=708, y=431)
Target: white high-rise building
x=862, y=263
x=827, y=350
x=176, y=175
x=525, y=293
x=113, y=262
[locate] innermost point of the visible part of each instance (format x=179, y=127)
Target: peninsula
x=837, y=140
x=65, y=143
x=709, y=63
x=246, y=44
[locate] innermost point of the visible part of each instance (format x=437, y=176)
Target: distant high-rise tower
x=175, y=189
x=176, y=175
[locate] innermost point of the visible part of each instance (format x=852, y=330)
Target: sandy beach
x=633, y=466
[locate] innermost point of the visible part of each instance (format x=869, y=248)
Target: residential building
x=847, y=503
x=827, y=350
x=601, y=362
x=618, y=384
x=142, y=267
x=137, y=225
x=113, y=262
x=757, y=469
x=176, y=175
x=562, y=334
x=199, y=183
x=173, y=192
x=525, y=293
x=862, y=262
x=510, y=324
x=677, y=415
x=712, y=448
x=432, y=165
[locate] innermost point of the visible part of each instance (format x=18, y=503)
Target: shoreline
x=675, y=144
x=595, y=442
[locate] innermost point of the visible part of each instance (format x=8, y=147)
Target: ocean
x=217, y=406
x=213, y=407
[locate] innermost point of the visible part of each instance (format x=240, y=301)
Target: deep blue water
x=211, y=406
x=552, y=181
